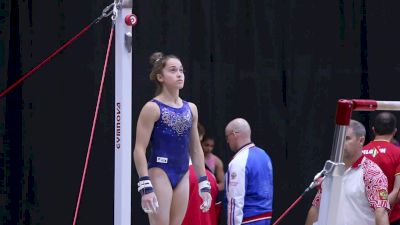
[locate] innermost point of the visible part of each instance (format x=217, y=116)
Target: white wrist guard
x=204, y=185
x=145, y=186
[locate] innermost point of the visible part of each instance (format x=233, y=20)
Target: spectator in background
x=194, y=216
x=212, y=161
x=387, y=156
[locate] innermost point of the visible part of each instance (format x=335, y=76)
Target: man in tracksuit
x=249, y=183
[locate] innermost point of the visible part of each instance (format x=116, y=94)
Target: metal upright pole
x=123, y=113
x=328, y=211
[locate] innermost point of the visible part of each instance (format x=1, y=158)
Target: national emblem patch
x=383, y=195
x=233, y=175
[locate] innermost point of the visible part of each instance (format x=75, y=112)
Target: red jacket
x=194, y=216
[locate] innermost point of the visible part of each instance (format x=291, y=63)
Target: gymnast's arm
x=148, y=115
x=196, y=152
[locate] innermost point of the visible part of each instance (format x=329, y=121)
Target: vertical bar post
x=328, y=212
x=123, y=115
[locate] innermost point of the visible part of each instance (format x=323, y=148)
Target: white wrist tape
x=204, y=186
x=145, y=186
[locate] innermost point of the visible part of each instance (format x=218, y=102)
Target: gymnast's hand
x=149, y=198
x=150, y=203
x=206, y=196
x=204, y=192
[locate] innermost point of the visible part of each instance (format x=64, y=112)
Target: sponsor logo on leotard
x=162, y=160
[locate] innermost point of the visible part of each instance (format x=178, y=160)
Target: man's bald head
x=240, y=131
x=239, y=125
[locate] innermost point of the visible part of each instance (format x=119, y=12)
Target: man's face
x=352, y=144
x=230, y=138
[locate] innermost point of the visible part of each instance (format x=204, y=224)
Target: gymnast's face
x=172, y=74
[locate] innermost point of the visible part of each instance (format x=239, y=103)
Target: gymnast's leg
x=163, y=190
x=180, y=200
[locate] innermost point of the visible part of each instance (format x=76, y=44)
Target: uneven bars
x=372, y=105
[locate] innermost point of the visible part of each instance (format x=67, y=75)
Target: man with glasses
x=249, y=186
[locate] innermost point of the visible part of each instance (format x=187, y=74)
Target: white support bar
x=332, y=184
x=329, y=207
x=388, y=105
x=123, y=116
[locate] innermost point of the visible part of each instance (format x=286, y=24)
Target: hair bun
x=155, y=57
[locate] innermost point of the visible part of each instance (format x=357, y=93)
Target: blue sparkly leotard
x=170, y=141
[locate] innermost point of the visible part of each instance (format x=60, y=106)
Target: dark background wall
x=280, y=64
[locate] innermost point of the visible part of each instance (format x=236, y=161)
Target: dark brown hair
x=385, y=123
